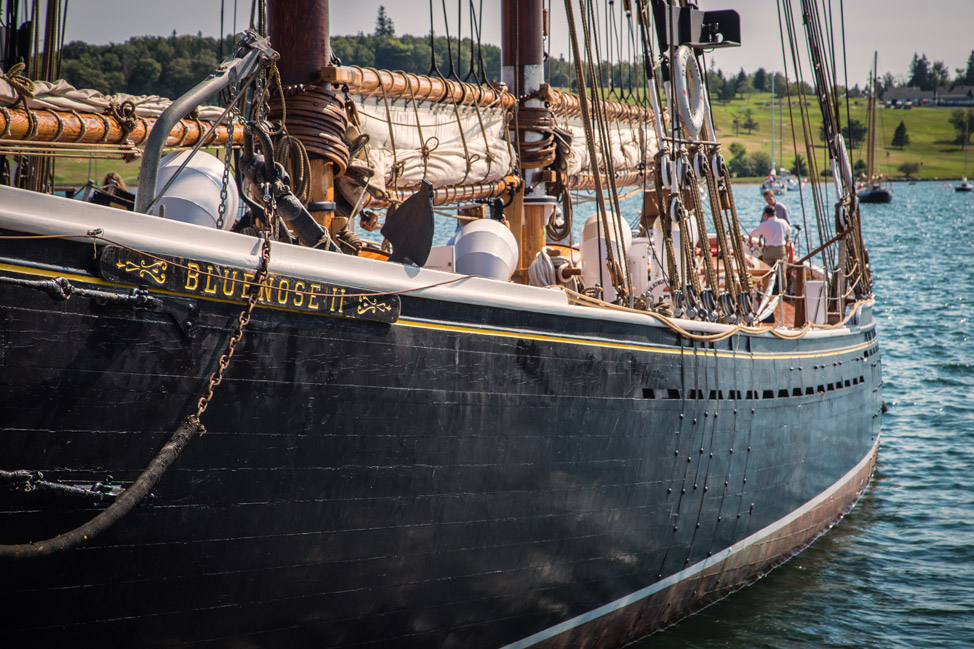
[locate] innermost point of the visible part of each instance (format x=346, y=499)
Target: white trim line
x=686, y=573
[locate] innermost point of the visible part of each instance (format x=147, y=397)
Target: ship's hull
x=470, y=475
x=875, y=196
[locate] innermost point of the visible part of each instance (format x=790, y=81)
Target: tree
x=920, y=73
x=737, y=126
x=853, y=132
x=383, y=24
x=727, y=91
x=749, y=122
x=800, y=167
x=901, y=138
x=963, y=123
x=760, y=80
x=939, y=75
x=966, y=76
x=762, y=163
x=742, y=83
x=909, y=168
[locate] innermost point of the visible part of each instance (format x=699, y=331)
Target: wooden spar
x=568, y=104
x=299, y=31
x=365, y=81
x=96, y=128
x=587, y=181
x=369, y=81
x=456, y=193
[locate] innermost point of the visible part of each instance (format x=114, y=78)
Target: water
x=899, y=570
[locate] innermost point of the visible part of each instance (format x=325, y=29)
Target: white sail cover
x=446, y=145
x=624, y=138
x=61, y=95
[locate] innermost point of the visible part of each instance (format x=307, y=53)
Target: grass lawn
x=930, y=132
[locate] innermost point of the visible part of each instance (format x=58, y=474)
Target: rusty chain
x=242, y=320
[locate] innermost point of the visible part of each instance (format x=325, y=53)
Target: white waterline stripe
x=676, y=578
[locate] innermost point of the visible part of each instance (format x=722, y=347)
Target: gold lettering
x=340, y=294
x=266, y=287
x=248, y=278
x=209, y=278
x=192, y=276
x=298, y=294
x=282, y=291
x=233, y=283
x=313, y=298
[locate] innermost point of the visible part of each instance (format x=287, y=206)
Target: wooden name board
x=205, y=279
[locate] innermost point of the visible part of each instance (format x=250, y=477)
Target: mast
x=871, y=124
x=772, y=123
x=522, y=69
x=299, y=31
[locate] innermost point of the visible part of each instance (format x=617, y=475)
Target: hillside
x=931, y=135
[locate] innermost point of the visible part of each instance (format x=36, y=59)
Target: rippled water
x=899, y=570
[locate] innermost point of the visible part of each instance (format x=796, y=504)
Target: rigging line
x=812, y=168
x=821, y=222
x=449, y=44
x=433, y=67
x=586, y=120
x=220, y=32
x=845, y=65
x=480, y=52
x=471, y=72
x=605, y=138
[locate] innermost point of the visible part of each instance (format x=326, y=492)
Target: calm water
x=899, y=570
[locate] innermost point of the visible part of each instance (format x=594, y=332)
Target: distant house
x=957, y=96
x=897, y=96
x=953, y=96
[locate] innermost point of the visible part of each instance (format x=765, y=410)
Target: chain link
x=242, y=321
x=231, y=115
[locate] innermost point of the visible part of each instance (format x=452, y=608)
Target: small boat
x=878, y=188
x=964, y=186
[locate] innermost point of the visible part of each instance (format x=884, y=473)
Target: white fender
x=688, y=87
x=842, y=160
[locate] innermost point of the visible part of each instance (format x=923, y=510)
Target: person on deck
x=779, y=210
x=776, y=233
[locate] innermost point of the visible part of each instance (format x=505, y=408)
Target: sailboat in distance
x=878, y=187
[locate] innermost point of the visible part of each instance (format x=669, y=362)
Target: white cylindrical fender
x=194, y=196
x=688, y=90
x=842, y=161
x=595, y=246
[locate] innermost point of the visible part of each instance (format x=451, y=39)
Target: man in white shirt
x=779, y=210
x=776, y=233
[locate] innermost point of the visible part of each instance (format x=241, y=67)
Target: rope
x=123, y=504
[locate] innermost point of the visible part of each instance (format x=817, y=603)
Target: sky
x=896, y=29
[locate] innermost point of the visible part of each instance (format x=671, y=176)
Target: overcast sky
x=941, y=29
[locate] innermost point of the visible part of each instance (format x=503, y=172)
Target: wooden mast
x=522, y=69
x=299, y=31
x=871, y=124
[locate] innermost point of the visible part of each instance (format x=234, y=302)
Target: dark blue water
x=899, y=570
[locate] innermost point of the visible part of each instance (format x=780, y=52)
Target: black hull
x=469, y=476
x=875, y=196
